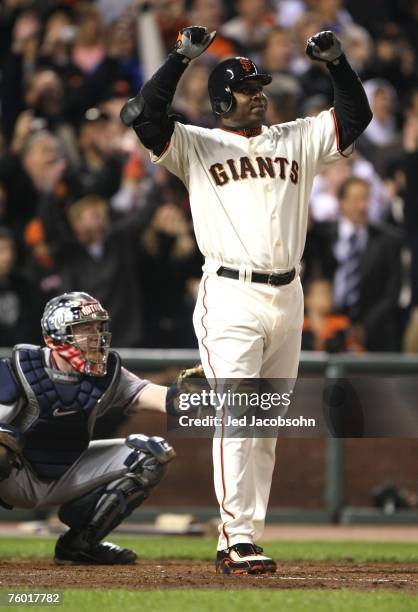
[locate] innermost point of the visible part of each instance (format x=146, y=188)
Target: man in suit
x=363, y=262
x=410, y=144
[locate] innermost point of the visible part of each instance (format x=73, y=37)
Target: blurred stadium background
x=81, y=207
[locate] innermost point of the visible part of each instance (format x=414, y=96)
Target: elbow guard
x=153, y=129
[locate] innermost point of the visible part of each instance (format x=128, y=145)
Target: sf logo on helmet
x=246, y=64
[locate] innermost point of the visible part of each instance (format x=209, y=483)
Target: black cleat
x=244, y=559
x=104, y=553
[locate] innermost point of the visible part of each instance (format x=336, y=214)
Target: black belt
x=274, y=280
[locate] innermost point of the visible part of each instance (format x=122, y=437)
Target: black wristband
x=341, y=72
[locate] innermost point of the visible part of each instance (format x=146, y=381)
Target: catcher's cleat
x=244, y=559
x=104, y=553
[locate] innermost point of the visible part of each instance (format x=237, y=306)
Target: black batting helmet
x=225, y=75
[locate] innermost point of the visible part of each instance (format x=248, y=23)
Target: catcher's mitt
x=186, y=380
x=190, y=380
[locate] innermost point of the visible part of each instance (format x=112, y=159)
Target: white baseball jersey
x=249, y=196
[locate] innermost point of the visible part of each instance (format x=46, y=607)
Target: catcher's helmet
x=225, y=75
x=88, y=353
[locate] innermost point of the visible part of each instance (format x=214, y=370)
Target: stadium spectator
x=121, y=50
x=381, y=134
x=304, y=27
x=250, y=26
x=410, y=144
x=192, y=99
x=334, y=16
x=88, y=51
x=20, y=301
x=394, y=58
x=57, y=43
x=284, y=92
x=324, y=330
x=102, y=260
x=170, y=268
x=288, y=12
x=119, y=71
x=18, y=62
x=363, y=263
x=283, y=99
x=211, y=13
x=313, y=77
x=324, y=203
x=171, y=17
x=331, y=14
x=359, y=49
x=31, y=177
x=277, y=51
x=44, y=94
x=40, y=263
x=100, y=164
x=110, y=10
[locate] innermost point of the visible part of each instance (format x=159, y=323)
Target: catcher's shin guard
x=94, y=515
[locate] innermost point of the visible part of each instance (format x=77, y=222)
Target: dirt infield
x=201, y=575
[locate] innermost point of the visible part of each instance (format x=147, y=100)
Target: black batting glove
x=193, y=41
x=324, y=47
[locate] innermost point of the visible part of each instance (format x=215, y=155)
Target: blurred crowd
x=82, y=207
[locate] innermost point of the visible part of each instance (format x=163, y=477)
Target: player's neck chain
x=247, y=132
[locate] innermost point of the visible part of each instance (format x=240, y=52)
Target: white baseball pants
x=246, y=330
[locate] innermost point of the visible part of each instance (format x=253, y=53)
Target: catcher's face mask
x=76, y=326
x=93, y=342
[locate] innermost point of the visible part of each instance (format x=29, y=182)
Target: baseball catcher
x=50, y=398
x=249, y=187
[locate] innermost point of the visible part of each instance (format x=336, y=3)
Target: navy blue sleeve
x=9, y=389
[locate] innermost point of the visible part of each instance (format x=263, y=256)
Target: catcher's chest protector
x=55, y=440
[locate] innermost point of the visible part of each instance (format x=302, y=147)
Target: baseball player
x=249, y=188
x=50, y=399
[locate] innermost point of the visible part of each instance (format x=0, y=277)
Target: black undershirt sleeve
x=351, y=106
x=411, y=219
x=159, y=91
x=155, y=127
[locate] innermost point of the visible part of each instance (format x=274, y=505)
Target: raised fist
x=193, y=41
x=324, y=47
